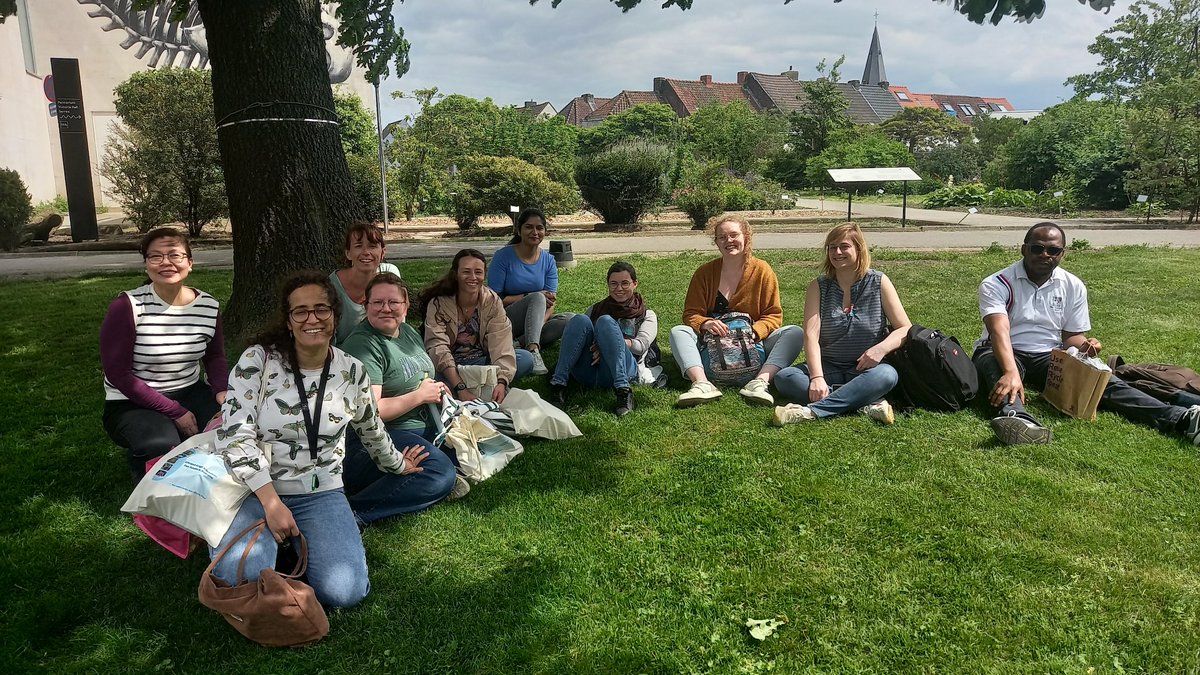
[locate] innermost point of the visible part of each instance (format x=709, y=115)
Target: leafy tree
x=991, y=133
x=857, y=148
x=702, y=194
x=1149, y=60
x=357, y=124
x=625, y=181
x=15, y=208
x=493, y=184
x=364, y=176
x=173, y=141
x=977, y=11
x=1077, y=145
x=960, y=161
x=127, y=164
x=734, y=135
x=924, y=129
x=652, y=122
x=824, y=112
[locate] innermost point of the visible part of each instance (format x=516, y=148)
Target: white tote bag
x=481, y=450
x=533, y=416
x=480, y=380
x=191, y=487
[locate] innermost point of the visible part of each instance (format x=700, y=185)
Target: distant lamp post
x=382, y=164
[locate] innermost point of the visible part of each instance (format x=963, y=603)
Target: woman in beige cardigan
x=465, y=325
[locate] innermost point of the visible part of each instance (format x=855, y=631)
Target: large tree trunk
x=290, y=196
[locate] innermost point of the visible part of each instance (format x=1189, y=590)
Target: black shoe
x=558, y=394
x=624, y=401
x=1015, y=429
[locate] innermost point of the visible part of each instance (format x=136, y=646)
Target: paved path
x=68, y=264
x=923, y=215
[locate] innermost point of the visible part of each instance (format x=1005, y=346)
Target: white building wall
x=62, y=29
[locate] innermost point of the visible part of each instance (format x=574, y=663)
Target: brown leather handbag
x=278, y=610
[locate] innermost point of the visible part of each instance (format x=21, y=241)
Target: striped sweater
x=149, y=348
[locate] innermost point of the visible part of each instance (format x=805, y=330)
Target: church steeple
x=874, y=72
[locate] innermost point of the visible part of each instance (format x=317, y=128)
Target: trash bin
x=563, y=257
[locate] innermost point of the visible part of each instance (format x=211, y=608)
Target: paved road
x=923, y=215
x=52, y=265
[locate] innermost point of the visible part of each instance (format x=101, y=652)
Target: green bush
x=738, y=197
x=768, y=194
x=364, y=176
x=625, y=181
x=700, y=204
x=490, y=185
x=15, y=208
x=965, y=195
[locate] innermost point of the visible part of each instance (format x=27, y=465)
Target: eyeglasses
x=158, y=258
x=301, y=314
x=844, y=247
x=1038, y=249
x=380, y=304
x=620, y=284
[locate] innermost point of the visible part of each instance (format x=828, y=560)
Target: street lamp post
x=382, y=165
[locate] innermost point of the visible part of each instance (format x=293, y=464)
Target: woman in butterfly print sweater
x=294, y=394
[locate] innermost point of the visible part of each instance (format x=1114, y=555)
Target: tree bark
x=290, y=195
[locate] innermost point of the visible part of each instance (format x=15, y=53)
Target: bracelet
x=501, y=380
x=816, y=376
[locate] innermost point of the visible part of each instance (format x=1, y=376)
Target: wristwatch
x=460, y=386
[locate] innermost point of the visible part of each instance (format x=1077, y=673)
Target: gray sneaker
x=1190, y=424
x=539, y=366
x=460, y=490
x=1014, y=430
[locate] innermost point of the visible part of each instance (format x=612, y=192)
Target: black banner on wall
x=72, y=135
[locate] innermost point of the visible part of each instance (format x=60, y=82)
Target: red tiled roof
x=578, y=109
x=620, y=103
x=691, y=94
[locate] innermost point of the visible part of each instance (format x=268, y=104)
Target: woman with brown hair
x=363, y=250
x=465, y=324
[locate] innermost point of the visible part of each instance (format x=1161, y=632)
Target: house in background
x=538, y=111
x=873, y=99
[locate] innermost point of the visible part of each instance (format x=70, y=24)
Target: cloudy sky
x=513, y=52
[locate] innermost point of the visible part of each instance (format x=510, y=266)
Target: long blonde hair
x=854, y=233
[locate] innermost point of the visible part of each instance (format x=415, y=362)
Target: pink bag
x=171, y=537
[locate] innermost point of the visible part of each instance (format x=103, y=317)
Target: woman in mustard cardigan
x=735, y=282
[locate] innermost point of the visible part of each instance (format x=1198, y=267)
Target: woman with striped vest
x=154, y=344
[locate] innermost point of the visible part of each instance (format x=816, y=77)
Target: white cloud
x=512, y=52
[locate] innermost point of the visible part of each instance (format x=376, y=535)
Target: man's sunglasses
x=1038, y=249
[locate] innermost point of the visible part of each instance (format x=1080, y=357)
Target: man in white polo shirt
x=1032, y=307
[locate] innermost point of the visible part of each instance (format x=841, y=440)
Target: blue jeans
x=375, y=494
x=850, y=389
x=782, y=347
x=337, y=563
x=617, y=368
x=524, y=364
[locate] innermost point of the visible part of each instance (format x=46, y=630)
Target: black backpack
x=935, y=372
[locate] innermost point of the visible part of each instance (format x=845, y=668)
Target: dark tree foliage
x=978, y=11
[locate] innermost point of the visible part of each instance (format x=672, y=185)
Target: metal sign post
x=902, y=174
x=72, y=135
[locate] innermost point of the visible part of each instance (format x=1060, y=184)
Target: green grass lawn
x=645, y=545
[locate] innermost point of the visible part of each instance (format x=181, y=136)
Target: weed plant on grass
x=645, y=545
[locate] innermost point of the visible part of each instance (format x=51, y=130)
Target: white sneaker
x=539, y=366
x=756, y=392
x=791, y=414
x=880, y=411
x=461, y=488
x=700, y=392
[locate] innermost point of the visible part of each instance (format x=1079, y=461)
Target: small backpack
x=732, y=359
x=935, y=372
